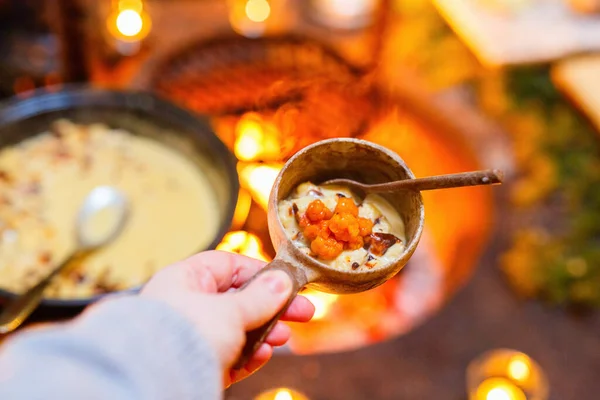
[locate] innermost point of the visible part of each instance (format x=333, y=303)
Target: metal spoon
x=100, y=220
x=474, y=178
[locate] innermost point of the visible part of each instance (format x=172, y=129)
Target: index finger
x=217, y=271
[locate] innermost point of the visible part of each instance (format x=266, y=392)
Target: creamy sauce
x=173, y=209
x=374, y=207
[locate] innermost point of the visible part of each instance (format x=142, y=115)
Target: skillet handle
x=256, y=337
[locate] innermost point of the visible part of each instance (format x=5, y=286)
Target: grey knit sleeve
x=121, y=349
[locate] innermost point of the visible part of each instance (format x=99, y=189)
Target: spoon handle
x=21, y=307
x=475, y=178
x=256, y=337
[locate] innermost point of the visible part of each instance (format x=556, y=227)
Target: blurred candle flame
x=505, y=374
x=129, y=22
x=518, y=368
x=281, y=394
x=257, y=10
x=249, y=17
x=498, y=394
x=499, y=389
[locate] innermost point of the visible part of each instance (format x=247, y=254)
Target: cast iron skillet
x=140, y=113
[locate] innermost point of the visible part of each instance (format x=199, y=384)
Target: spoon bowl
x=101, y=218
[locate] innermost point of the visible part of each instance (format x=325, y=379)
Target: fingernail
x=278, y=282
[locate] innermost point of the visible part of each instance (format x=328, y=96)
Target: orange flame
x=258, y=179
x=242, y=209
x=322, y=302
x=245, y=243
x=256, y=139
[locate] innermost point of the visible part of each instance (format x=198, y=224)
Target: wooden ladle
x=474, y=178
x=353, y=158
x=346, y=157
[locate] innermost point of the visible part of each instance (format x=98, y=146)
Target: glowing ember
x=259, y=179
x=245, y=243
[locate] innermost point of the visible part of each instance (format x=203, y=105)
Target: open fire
x=289, y=93
x=242, y=242
x=258, y=179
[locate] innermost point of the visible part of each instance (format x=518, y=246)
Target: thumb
x=263, y=298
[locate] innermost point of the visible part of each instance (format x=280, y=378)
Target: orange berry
x=303, y=222
x=324, y=229
x=355, y=243
x=327, y=249
x=346, y=205
x=330, y=233
x=311, y=232
x=365, y=226
x=318, y=211
x=344, y=227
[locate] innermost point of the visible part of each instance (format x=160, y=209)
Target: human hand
x=201, y=289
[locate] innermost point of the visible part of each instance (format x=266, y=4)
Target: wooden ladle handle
x=474, y=178
x=256, y=337
x=487, y=177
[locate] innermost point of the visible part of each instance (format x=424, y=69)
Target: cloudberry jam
x=329, y=232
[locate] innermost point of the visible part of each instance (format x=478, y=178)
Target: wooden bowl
x=336, y=158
